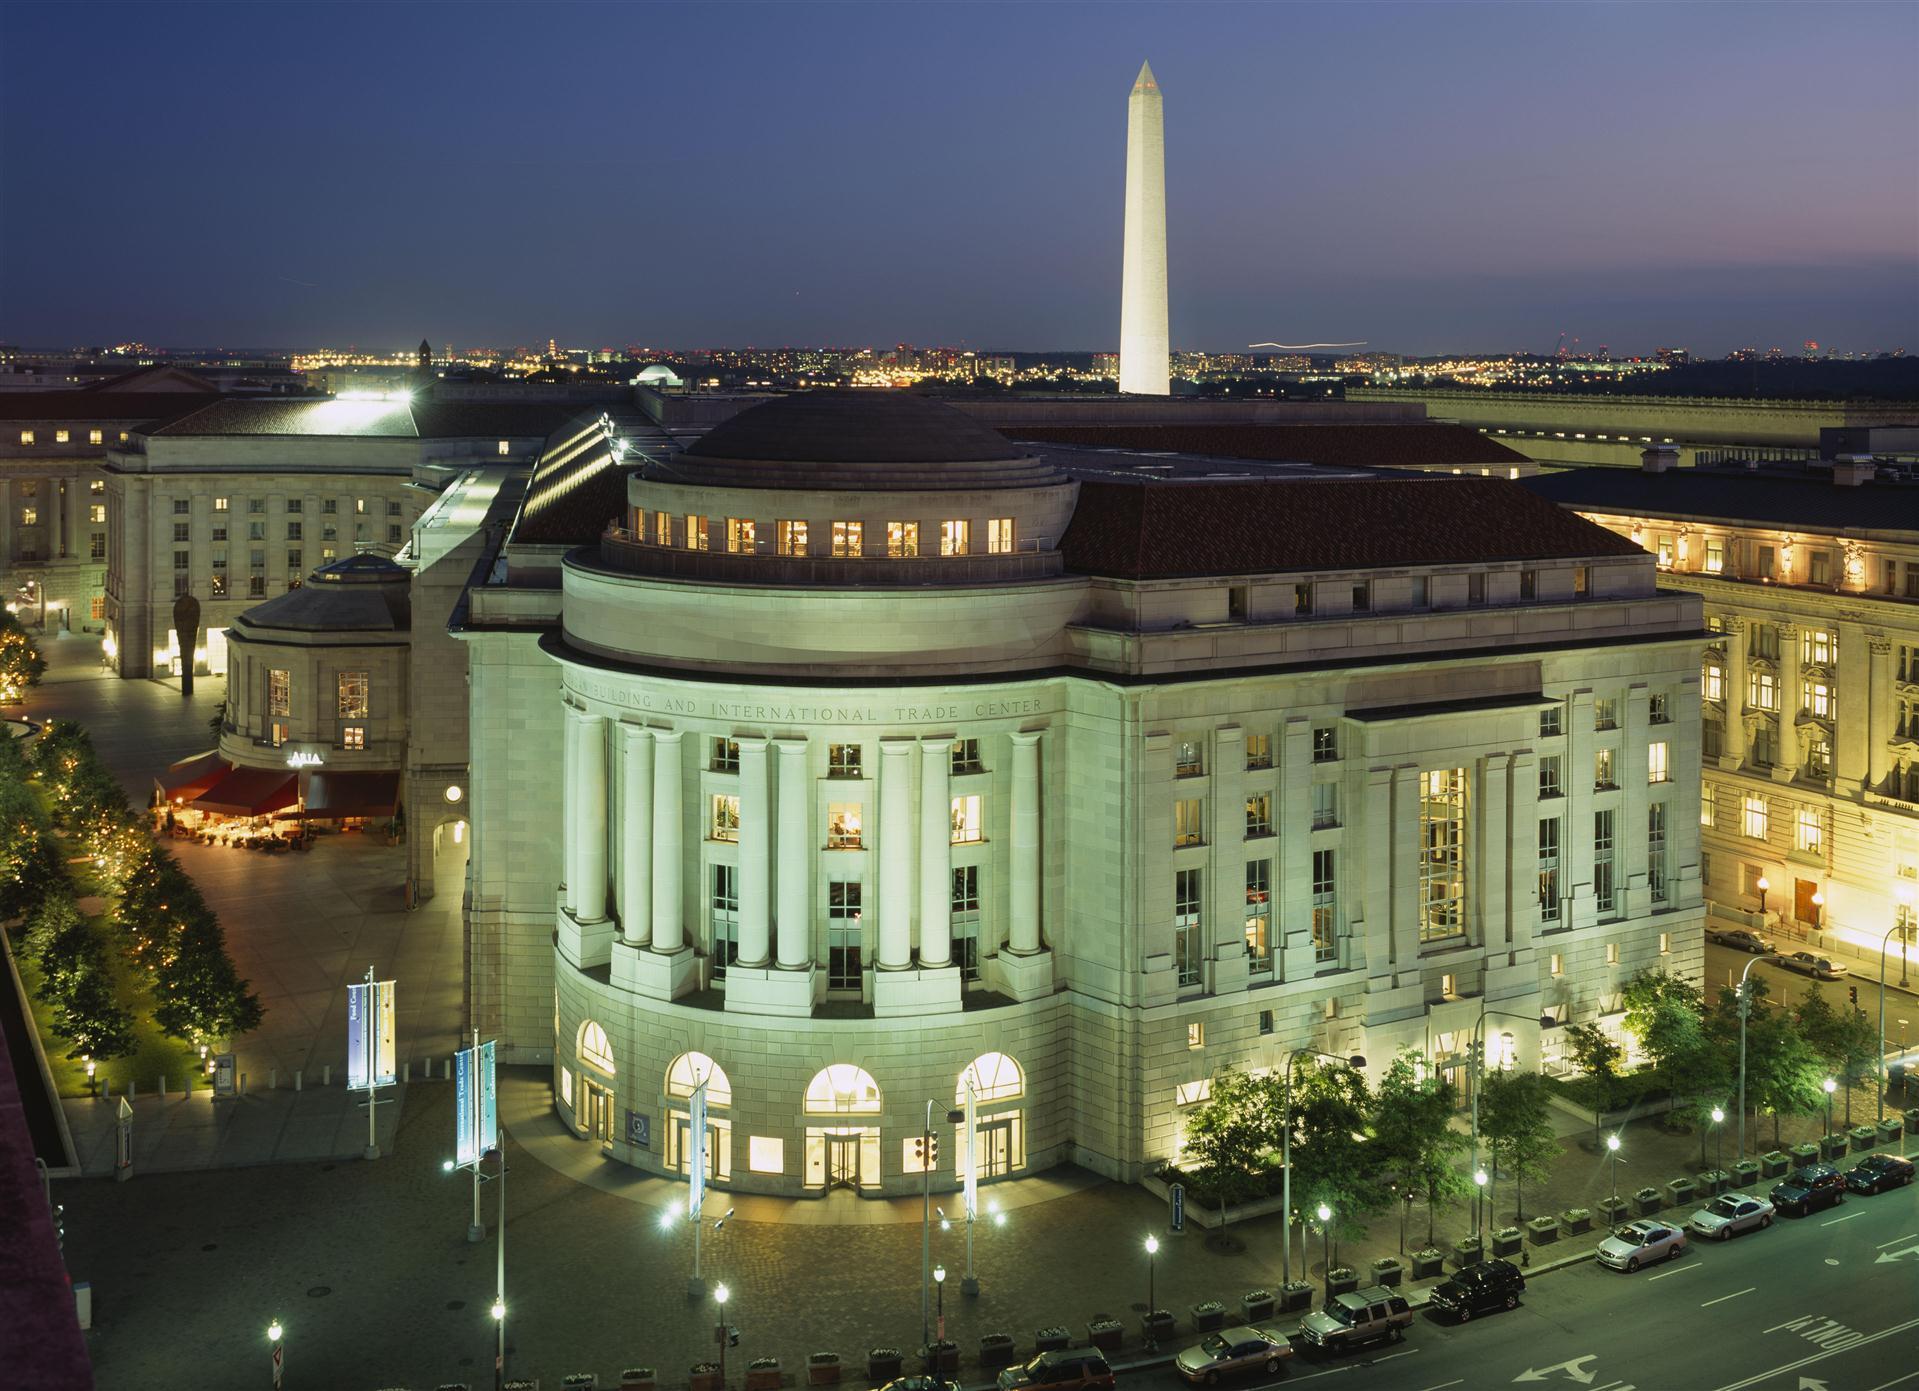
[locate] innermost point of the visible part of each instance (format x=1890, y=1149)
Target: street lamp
x=1718, y=1139
x=720, y=1295
x=1612, y=1151
x=1286, y=1151
x=939, y=1295
x=1764, y=886
x=1326, y=1246
x=1152, y=1295
x=1476, y=1067
x=275, y=1337
x=1479, y=1201
x=1830, y=1087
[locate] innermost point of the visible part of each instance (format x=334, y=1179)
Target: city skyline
x=1420, y=179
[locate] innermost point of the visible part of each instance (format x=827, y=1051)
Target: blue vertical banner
x=696, y=1151
x=371, y=1050
x=489, y=1125
x=465, y=1115
x=356, y=1036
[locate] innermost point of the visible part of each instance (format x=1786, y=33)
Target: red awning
x=332, y=795
x=187, y=779
x=250, y=792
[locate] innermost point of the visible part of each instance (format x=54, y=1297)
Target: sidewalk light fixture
x=1612, y=1150
x=1152, y=1294
x=939, y=1295
x=1326, y=1245
x=1830, y=1086
x=1764, y=886
x=275, y=1334
x=720, y=1295
x=1719, y=1139
x=1479, y=1200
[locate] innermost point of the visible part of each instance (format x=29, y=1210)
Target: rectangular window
x=1419, y=598
x=765, y=1154
x=293, y=562
x=353, y=736
x=966, y=921
x=330, y=506
x=1612, y=953
x=1658, y=768
x=1528, y=586
x=256, y=531
x=1476, y=589
x=969, y=827
x=1236, y=603
x=1807, y=834
x=1550, y=726
x=182, y=559
x=1757, y=820
x=1708, y=802
x=1664, y=552
x=1302, y=600
x=1603, y=770
x=1715, y=555
x=844, y=944
x=359, y=506
x=27, y=437
x=97, y=486
x=1602, y=861
x=1363, y=597
x=1557, y=966
x=663, y=528
x=696, y=536
x=742, y=536
x=279, y=693
x=1325, y=805
x=1549, y=776
x=1325, y=905
x=353, y=694
x=393, y=535
x=1815, y=697
x=1765, y=641
x=97, y=605
x=96, y=437
x=842, y=760
x=182, y=531
x=97, y=545
x=1711, y=681
x=1187, y=826
x=293, y=531
x=849, y=539
x=220, y=504
x=1265, y=1021
x=278, y=733
x=1187, y=762
x=1549, y=896
x=1259, y=916
x=726, y=756
x=1818, y=647
x=1582, y=581
x=1819, y=758
x=843, y=825
x=1762, y=690
x=219, y=584
x=902, y=540
x=1259, y=814
x=393, y=509
x=955, y=537
x=1326, y=744
x=1658, y=708
x=792, y=538
x=1656, y=867
x=965, y=757
x=97, y=512
x=999, y=536
x=1196, y=1035
x=1605, y=713
x=723, y=919
x=1442, y=854
x=1762, y=561
x=1259, y=751
x=723, y=822
x=1186, y=929
x=62, y=437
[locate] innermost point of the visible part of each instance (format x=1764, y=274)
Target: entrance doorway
x=596, y=1112
x=843, y=1160
x=1804, y=908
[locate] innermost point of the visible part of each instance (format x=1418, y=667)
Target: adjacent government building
x=849, y=756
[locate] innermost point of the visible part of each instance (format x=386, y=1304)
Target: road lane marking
x=1724, y=1297
x=1456, y=1380
x=1368, y=1362
x=1895, y=1241
x=1758, y=1377
x=1664, y=1273
x=1837, y=1220
x=1895, y=1381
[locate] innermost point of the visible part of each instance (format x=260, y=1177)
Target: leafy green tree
x=1415, y=1144
x=1333, y=1158
x=60, y=943
x=1783, y=1070
x=1230, y=1135
x=90, y=1018
x=1596, y=1055
x=202, y=997
x=1516, y=1120
x=21, y=664
x=1843, y=1038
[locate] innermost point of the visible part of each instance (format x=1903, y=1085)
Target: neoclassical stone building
x=853, y=755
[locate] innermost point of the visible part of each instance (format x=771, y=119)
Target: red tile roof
x=1348, y=446
x=1157, y=530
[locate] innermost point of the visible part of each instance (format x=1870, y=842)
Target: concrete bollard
x=406, y=1070
x=326, y=1075
x=446, y=1073
x=273, y=1079
x=243, y=1084
x=133, y=1090
x=296, y=1079
x=163, y=1086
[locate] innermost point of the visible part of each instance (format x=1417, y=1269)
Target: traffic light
x=926, y=1151
x=60, y=1227
x=1852, y=992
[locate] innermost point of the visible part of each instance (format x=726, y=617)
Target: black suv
x=1878, y=1172
x=1073, y=1369
x=1809, y=1189
x=1478, y=1288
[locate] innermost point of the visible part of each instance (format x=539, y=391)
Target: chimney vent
x=1850, y=470
x=1658, y=458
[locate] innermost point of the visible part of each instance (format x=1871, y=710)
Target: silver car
x=1730, y=1214
x=1232, y=1351
x=1640, y=1243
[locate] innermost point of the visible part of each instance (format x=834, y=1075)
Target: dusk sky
x=1423, y=177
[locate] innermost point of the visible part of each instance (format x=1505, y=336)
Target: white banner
x=696, y=1159
x=970, y=1148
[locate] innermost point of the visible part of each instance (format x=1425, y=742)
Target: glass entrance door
x=597, y=1114
x=995, y=1154
x=843, y=1161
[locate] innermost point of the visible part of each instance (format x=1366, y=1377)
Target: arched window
x=595, y=1051
x=690, y=1069
x=842, y=1089
x=995, y=1077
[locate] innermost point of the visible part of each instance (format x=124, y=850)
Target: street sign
x=1178, y=1194
x=639, y=1129
x=223, y=1075
x=696, y=1143
x=370, y=1045
x=476, y=1122
x=123, y=1141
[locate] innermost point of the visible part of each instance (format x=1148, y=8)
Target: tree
x=1333, y=1158
x=1516, y=1120
x=1230, y=1134
x=1844, y=1039
x=1413, y=1136
x=21, y=664
x=1783, y=1070
x=1596, y=1055
x=201, y=997
x=60, y=943
x=89, y=1017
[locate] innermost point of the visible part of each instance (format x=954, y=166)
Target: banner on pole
x=696, y=1146
x=372, y=1054
x=970, y=1149
x=476, y=1123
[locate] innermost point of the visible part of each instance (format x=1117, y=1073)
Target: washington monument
x=1145, y=351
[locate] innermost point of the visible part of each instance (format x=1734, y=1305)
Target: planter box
x=1051, y=1340
x=764, y=1378
x=1543, y=1230
x=940, y=1358
x=1614, y=1211
x=1712, y=1182
x=1832, y=1146
x=1104, y=1334
x=884, y=1364
x=1427, y=1264
x=579, y=1381
x=1745, y=1173
x=1209, y=1316
x=1388, y=1271
x=823, y=1369
x=1256, y=1305
x=1466, y=1253
x=1342, y=1281
x=1296, y=1296
x=1647, y=1201
x=1804, y=1154
x=1911, y=1114
x=995, y=1350
x=637, y=1379
x=1864, y=1137
x=1773, y=1164
x=1205, y=1216
x=1889, y=1132
x=1506, y=1241
x=1157, y=1327
x=703, y=1380
x=1576, y=1220
x=1683, y=1191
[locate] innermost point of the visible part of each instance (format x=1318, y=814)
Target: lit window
x=842, y=1088
x=765, y=1154
x=1259, y=751
x=1757, y=819
x=1712, y=682
x=1582, y=582
x=278, y=693
x=1603, y=770
x=792, y=538
x=685, y=1073
x=219, y=505
x=26, y=437
x=955, y=537
x=724, y=822
x=97, y=607
x=97, y=486
x=504, y=448
x=1192, y=1093
x=1325, y=905
x=1259, y=910
x=1442, y=858
x=96, y=437
x=1657, y=767
x=1259, y=814
x=849, y=539
x=1715, y=555
x=696, y=539
x=842, y=760
x=279, y=733
x=359, y=506
x=1612, y=953
x=1665, y=552
x=1195, y=1035
x=994, y=1077
x=1815, y=697
x=62, y=437
x=1807, y=833
x=902, y=540
x=353, y=736
x=1818, y=647
x=353, y=694
x=30, y=516
x=1558, y=967
x=1762, y=690
x=999, y=536
x=1665, y=944
x=595, y=1051
x=741, y=536
x=1449, y=986
x=843, y=825
x=1187, y=826
x=663, y=528
x=967, y=825
x=97, y=512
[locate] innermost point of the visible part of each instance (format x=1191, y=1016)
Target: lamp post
x=1152, y=1295
x=1830, y=1086
x=1326, y=1246
x=1764, y=886
x=939, y=1296
x=276, y=1340
x=1745, y=1012
x=1475, y=1069
x=499, y=1278
x=1286, y=1151
x=1612, y=1151
x=720, y=1295
x=1479, y=1205
x=926, y=1217
x=1718, y=1139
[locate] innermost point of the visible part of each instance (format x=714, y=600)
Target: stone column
x=569, y=804
x=1023, y=929
x=896, y=855
x=1732, y=751
x=1878, y=710
x=756, y=837
x=586, y=890
x=669, y=927
x=636, y=835
x=1522, y=902
x=936, y=852
x=795, y=886
x=1374, y=882
x=1789, y=704
x=1496, y=845
x=1403, y=839
x=1629, y=832
x=1293, y=871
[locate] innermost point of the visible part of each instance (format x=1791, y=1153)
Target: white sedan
x=1640, y=1243
x=1729, y=1215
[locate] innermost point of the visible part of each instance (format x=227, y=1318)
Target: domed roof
x=866, y=439
x=364, y=568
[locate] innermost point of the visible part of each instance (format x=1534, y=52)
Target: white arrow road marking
x=1837, y=1220
x=1895, y=1241
x=1758, y=1377
x=1884, y=1256
x=1724, y=1297
x=1574, y=1367
x=1664, y=1273
x=1812, y=1384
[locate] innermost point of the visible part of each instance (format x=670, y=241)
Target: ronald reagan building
x=849, y=755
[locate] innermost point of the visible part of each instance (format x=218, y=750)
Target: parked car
x=1729, y=1214
x=920, y=1383
x=1809, y=1189
x=1070, y=1369
x=1878, y=1172
x=1233, y=1351
x=1640, y=1243
x=1806, y=964
x=1351, y=1319
x=1744, y=938
x=1479, y=1287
